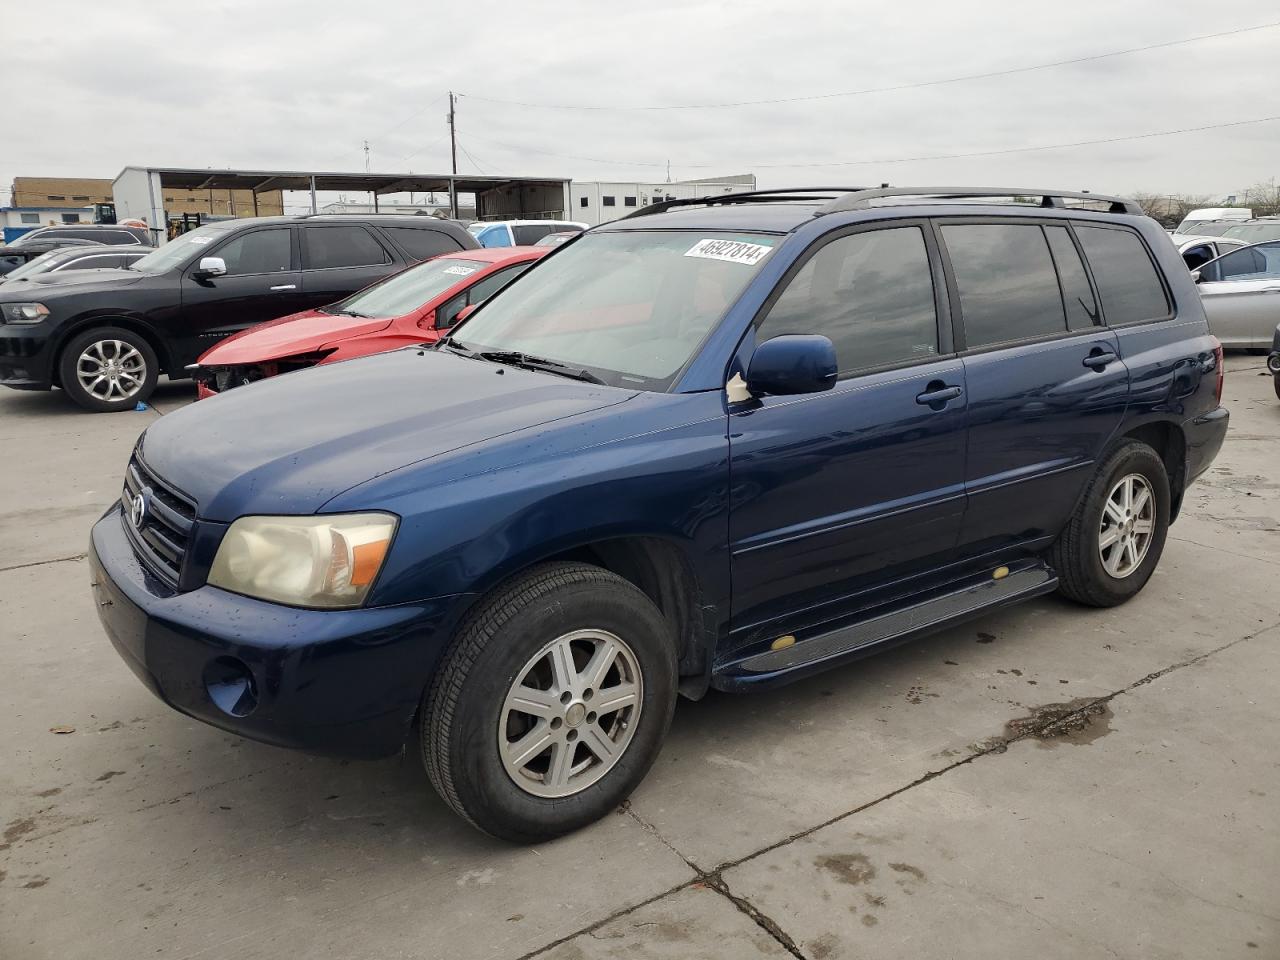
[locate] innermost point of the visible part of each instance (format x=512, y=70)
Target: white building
x=601, y=202
x=15, y=221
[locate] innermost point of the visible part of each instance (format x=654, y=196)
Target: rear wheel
x=552, y=703
x=108, y=369
x=1276, y=383
x=1113, y=542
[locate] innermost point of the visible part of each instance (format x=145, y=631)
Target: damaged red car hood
x=297, y=333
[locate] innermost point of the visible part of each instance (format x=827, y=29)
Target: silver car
x=1241, y=294
x=1197, y=251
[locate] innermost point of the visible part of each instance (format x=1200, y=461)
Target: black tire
x=1081, y=574
x=1275, y=382
x=463, y=706
x=69, y=359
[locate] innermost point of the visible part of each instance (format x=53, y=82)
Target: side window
x=327, y=247
x=528, y=234
x=422, y=244
x=495, y=236
x=1127, y=281
x=478, y=293
x=1261, y=262
x=262, y=251
x=1008, y=287
x=871, y=293
x=1077, y=297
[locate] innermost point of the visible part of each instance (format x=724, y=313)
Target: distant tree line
x=1170, y=208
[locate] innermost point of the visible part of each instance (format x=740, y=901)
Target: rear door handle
x=285, y=286
x=937, y=394
x=1099, y=359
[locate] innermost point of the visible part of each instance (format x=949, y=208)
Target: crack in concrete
x=714, y=880
x=41, y=563
x=1230, y=553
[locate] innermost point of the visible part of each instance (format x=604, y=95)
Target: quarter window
x=1127, y=281
x=1077, y=296
x=329, y=247
x=262, y=251
x=870, y=293
x=1261, y=262
x=422, y=244
x=1007, y=284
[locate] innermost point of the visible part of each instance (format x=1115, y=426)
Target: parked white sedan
x=1241, y=294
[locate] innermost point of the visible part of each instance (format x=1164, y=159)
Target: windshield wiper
x=517, y=359
x=356, y=313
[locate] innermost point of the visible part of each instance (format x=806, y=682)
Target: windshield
x=1207, y=228
x=1254, y=232
x=37, y=265
x=629, y=307
x=409, y=289
x=179, y=249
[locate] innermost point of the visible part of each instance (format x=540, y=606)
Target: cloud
x=301, y=84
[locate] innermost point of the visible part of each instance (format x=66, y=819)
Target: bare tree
x=1262, y=198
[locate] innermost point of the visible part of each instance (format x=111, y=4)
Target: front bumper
x=26, y=357
x=340, y=682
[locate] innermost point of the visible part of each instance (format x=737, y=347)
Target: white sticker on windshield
x=460, y=271
x=200, y=240
x=734, y=251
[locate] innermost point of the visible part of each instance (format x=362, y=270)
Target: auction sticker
x=200, y=241
x=460, y=271
x=734, y=251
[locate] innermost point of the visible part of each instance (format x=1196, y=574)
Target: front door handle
x=937, y=393
x=284, y=286
x=1098, y=359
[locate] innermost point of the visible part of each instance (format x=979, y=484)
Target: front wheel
x=552, y=703
x=1113, y=541
x=108, y=369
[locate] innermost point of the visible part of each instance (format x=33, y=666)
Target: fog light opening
x=230, y=685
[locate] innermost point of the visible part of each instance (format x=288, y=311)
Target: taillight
x=1220, y=364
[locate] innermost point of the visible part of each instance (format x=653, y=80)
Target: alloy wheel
x=111, y=369
x=571, y=713
x=1128, y=521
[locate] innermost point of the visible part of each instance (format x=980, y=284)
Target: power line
x=915, y=159
x=869, y=90
x=473, y=160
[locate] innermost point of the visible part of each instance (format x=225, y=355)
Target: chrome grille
x=163, y=533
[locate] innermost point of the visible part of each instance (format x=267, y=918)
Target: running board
x=791, y=657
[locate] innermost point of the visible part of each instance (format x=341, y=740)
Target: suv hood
x=297, y=333
x=51, y=284
x=289, y=444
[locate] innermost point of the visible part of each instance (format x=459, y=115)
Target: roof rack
x=861, y=199
x=750, y=196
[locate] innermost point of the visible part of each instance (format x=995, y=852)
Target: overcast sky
x=300, y=84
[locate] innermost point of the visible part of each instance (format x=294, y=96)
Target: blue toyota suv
x=720, y=443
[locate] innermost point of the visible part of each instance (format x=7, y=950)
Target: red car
x=417, y=305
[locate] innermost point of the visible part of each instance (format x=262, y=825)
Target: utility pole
x=453, y=150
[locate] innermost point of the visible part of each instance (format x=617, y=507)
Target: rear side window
x=870, y=293
x=1077, y=296
x=263, y=251
x=528, y=234
x=1008, y=287
x=328, y=247
x=1127, y=280
x=421, y=243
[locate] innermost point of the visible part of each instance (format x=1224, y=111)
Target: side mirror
x=465, y=312
x=210, y=267
x=1195, y=276
x=792, y=364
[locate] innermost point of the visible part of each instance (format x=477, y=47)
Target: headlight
x=326, y=561
x=23, y=312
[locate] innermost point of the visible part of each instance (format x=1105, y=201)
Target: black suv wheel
x=108, y=369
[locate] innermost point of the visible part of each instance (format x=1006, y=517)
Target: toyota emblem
x=138, y=511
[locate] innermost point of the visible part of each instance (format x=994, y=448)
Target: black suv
x=105, y=336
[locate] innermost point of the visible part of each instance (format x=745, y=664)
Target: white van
x=519, y=233
x=1189, y=222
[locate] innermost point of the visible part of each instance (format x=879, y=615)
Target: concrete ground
x=919, y=804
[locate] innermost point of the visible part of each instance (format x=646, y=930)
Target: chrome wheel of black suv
x=552, y=703
x=1113, y=541
x=108, y=369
